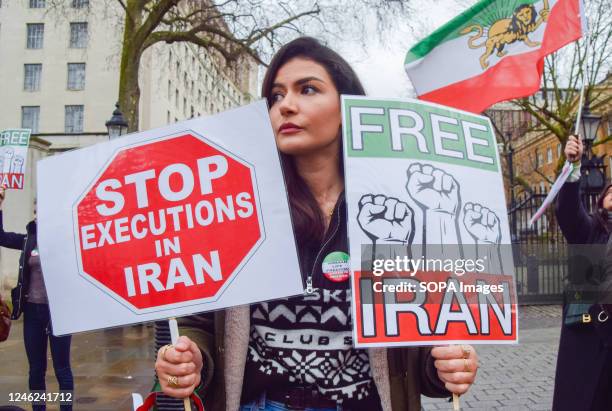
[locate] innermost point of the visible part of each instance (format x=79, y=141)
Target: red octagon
x=168, y=222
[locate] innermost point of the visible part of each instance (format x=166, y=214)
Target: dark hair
x=305, y=212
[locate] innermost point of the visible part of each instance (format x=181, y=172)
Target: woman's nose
x=288, y=105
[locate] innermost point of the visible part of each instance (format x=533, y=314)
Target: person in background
x=311, y=362
x=583, y=379
x=30, y=298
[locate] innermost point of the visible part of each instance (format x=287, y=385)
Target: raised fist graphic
x=385, y=218
x=481, y=223
x=433, y=189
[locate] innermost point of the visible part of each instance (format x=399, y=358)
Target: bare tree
x=556, y=106
x=231, y=30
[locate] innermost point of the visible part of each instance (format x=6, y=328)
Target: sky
x=380, y=66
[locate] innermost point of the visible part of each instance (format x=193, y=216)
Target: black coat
x=585, y=350
x=26, y=243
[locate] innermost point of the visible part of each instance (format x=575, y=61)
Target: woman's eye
x=309, y=90
x=276, y=97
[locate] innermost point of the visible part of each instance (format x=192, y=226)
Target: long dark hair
x=305, y=212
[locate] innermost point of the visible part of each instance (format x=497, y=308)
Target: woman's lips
x=289, y=128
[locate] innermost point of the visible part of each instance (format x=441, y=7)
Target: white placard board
x=182, y=219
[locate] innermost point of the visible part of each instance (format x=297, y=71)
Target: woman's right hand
x=182, y=360
x=573, y=148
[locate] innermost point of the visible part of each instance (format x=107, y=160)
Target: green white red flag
x=492, y=52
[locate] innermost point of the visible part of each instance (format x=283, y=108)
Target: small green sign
x=15, y=137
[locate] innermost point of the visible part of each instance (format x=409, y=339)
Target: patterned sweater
x=307, y=340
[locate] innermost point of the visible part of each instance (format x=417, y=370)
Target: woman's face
x=305, y=110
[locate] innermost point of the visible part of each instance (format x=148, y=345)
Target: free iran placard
x=430, y=251
x=168, y=222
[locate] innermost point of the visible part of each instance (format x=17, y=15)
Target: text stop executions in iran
x=158, y=228
x=159, y=222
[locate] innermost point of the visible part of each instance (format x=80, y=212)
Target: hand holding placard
x=182, y=360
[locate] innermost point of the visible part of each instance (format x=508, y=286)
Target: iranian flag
x=492, y=52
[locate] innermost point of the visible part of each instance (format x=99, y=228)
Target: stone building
x=537, y=156
x=59, y=76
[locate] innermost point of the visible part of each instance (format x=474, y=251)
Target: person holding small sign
x=297, y=353
x=30, y=298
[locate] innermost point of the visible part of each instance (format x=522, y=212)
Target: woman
x=285, y=354
x=30, y=298
x=583, y=379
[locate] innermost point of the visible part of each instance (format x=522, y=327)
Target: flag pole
x=174, y=335
x=456, y=406
x=568, y=167
x=584, y=70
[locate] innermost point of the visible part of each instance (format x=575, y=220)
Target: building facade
x=59, y=77
x=536, y=155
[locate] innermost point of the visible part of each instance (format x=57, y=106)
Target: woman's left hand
x=457, y=366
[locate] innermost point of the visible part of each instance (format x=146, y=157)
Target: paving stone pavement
x=515, y=377
x=110, y=365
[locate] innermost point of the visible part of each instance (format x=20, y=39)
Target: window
x=170, y=60
x=176, y=98
x=185, y=84
x=76, y=76
x=192, y=112
x=559, y=150
x=35, y=35
x=29, y=117
x=542, y=187
x=31, y=77
x=74, y=119
x=169, y=90
x=80, y=4
x=78, y=35
x=38, y=4
x=168, y=117
x=549, y=157
x=185, y=106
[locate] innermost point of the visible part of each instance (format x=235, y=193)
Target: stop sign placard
x=168, y=221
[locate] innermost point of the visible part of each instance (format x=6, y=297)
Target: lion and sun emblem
x=502, y=31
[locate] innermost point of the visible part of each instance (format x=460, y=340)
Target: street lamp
x=589, y=124
x=116, y=126
x=591, y=166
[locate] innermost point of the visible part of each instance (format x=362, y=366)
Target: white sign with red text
x=13, y=157
x=182, y=219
